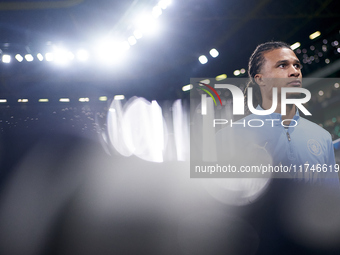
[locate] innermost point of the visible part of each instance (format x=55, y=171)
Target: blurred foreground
x=67, y=196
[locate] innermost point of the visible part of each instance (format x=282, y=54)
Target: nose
x=294, y=71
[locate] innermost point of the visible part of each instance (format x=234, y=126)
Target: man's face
x=281, y=68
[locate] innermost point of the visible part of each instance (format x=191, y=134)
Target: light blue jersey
x=304, y=147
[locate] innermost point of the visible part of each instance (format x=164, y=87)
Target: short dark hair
x=255, y=64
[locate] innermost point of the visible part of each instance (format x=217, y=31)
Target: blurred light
x=180, y=130
x=325, y=41
x=119, y=97
x=124, y=46
x=64, y=100
x=110, y=51
x=43, y=100
x=203, y=59
x=295, y=45
x=243, y=71
x=82, y=55
x=298, y=51
x=335, y=43
x=49, y=56
x=146, y=24
x=29, y=57
x=312, y=48
x=338, y=50
x=19, y=57
x=314, y=35
x=6, y=58
x=164, y=4
x=206, y=81
x=3, y=100
x=187, y=87
x=62, y=56
x=70, y=55
x=214, y=53
x=138, y=34
x=327, y=61
x=221, y=77
x=84, y=99
x=132, y=40
x=157, y=144
x=237, y=72
x=336, y=85
x=146, y=142
x=320, y=93
x=103, y=98
x=156, y=11
x=324, y=48
x=333, y=120
x=22, y=100
x=40, y=57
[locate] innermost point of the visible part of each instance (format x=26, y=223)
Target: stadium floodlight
x=29, y=57
x=40, y=57
x=62, y=56
x=103, y=98
x=221, y=77
x=214, y=53
x=314, y=35
x=49, y=56
x=187, y=87
x=203, y=59
x=84, y=99
x=206, y=81
x=164, y=4
x=156, y=11
x=119, y=97
x=64, y=100
x=110, y=51
x=132, y=40
x=237, y=72
x=146, y=24
x=138, y=34
x=19, y=57
x=6, y=58
x=124, y=46
x=82, y=55
x=295, y=46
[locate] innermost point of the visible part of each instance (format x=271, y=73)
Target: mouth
x=296, y=83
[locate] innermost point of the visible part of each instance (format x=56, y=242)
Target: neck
x=290, y=109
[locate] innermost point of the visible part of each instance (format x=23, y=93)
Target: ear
x=259, y=79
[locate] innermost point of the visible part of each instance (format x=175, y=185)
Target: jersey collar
x=276, y=115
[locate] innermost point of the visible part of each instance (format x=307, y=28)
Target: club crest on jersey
x=314, y=147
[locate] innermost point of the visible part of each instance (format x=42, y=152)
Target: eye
x=282, y=65
x=298, y=66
